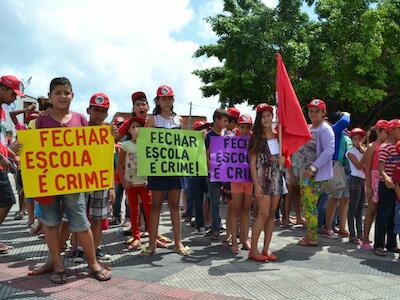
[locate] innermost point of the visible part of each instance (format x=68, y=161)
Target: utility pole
x=190, y=115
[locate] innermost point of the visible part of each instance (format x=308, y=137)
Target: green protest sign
x=171, y=152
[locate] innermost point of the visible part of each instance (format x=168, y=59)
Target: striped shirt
x=388, y=154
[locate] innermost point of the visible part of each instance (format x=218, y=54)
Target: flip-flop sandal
x=146, y=251
x=271, y=257
x=164, y=239
x=258, y=258
x=184, y=251
x=305, y=242
x=100, y=276
x=130, y=240
x=161, y=244
x=134, y=248
x=36, y=273
x=61, y=275
x=379, y=252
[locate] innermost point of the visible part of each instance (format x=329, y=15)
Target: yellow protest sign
x=58, y=161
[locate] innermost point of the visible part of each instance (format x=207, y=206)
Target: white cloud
x=115, y=47
x=112, y=46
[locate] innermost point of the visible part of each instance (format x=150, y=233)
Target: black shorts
x=7, y=198
x=164, y=183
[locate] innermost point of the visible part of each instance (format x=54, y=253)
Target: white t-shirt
x=131, y=164
x=354, y=171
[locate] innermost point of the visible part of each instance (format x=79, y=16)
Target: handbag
x=338, y=181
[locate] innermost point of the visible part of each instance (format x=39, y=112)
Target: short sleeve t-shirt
x=354, y=170
x=396, y=174
x=208, y=138
x=389, y=155
x=3, y=139
x=77, y=120
x=131, y=163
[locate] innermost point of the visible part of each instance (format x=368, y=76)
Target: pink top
x=375, y=158
x=48, y=122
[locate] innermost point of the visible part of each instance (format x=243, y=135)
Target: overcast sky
x=116, y=47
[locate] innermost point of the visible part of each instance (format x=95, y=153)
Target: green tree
x=250, y=34
x=348, y=57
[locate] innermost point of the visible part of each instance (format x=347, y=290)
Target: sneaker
x=79, y=257
x=127, y=223
x=208, y=233
x=201, y=230
x=100, y=255
x=367, y=246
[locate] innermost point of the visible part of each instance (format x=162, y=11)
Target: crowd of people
x=330, y=180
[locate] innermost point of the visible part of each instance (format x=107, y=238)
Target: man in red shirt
x=10, y=87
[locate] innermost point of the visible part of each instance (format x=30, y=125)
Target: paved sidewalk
x=336, y=270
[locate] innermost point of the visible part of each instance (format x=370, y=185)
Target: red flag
x=295, y=131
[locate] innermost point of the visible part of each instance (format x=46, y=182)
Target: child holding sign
x=99, y=201
x=10, y=87
x=134, y=185
x=165, y=117
x=242, y=197
x=269, y=183
x=74, y=206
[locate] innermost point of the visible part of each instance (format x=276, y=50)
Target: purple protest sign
x=229, y=159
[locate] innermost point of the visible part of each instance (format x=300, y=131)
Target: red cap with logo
x=137, y=96
x=118, y=120
x=100, y=100
x=382, y=124
x=245, y=119
x=14, y=83
x=318, y=104
x=165, y=91
x=199, y=124
x=357, y=131
x=393, y=124
x=263, y=107
x=233, y=112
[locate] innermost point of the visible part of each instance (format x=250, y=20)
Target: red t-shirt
x=396, y=174
x=389, y=155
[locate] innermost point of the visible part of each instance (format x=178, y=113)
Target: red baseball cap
x=139, y=120
x=393, y=124
x=264, y=106
x=165, y=91
x=358, y=131
x=233, y=112
x=382, y=124
x=100, y=100
x=14, y=83
x=137, y=96
x=245, y=119
x=32, y=116
x=118, y=120
x=199, y=124
x=318, y=104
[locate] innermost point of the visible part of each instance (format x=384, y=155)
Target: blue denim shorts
x=74, y=207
